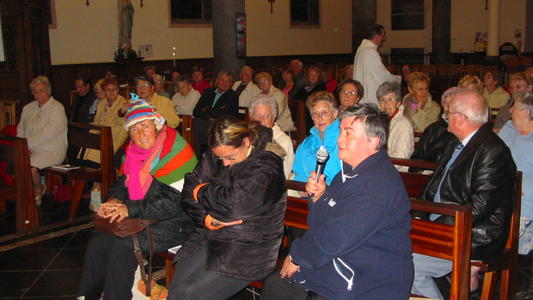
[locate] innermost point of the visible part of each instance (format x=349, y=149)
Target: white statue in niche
x=125, y=23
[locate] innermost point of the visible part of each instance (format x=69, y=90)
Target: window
x=190, y=11
x=305, y=12
x=407, y=14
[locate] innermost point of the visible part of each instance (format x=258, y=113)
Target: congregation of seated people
x=223, y=196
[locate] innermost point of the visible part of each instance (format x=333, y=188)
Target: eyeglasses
x=445, y=115
x=320, y=114
x=41, y=91
x=349, y=93
x=142, y=85
x=388, y=100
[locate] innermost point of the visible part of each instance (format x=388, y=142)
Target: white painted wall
x=89, y=34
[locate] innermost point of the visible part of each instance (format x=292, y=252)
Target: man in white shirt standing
x=185, y=100
x=368, y=68
x=245, y=88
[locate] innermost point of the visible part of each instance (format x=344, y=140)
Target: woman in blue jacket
x=325, y=132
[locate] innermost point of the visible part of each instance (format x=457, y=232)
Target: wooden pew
x=86, y=136
x=185, y=129
x=18, y=160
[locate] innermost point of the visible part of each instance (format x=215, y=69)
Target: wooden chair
x=18, y=159
x=185, y=129
x=8, y=112
x=298, y=110
x=505, y=264
x=243, y=113
x=85, y=136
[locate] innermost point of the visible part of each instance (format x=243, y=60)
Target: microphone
x=321, y=157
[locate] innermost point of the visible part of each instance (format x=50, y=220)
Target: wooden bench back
x=185, y=129
x=95, y=137
x=18, y=158
x=414, y=182
x=297, y=109
x=450, y=242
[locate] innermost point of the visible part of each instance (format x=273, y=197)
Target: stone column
x=364, y=15
x=224, y=35
x=494, y=29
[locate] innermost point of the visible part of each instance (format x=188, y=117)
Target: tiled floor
x=51, y=269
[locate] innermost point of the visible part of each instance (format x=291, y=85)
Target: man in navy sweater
x=357, y=245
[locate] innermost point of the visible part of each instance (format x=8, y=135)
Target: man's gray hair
x=387, y=88
x=225, y=72
x=526, y=102
x=263, y=100
x=376, y=122
x=41, y=79
x=474, y=113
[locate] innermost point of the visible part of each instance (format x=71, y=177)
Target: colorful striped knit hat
x=140, y=110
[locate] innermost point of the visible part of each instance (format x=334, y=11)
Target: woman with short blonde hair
x=418, y=105
x=471, y=82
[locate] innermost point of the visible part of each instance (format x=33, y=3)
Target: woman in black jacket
x=237, y=197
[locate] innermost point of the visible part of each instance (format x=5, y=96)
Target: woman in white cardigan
x=263, y=109
x=44, y=124
x=401, y=141
x=283, y=117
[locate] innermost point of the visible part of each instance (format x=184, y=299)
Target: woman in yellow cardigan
x=107, y=115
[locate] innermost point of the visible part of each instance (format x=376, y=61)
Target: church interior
x=42, y=244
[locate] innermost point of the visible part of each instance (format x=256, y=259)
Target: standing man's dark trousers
x=109, y=265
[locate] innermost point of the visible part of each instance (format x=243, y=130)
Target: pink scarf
x=138, y=165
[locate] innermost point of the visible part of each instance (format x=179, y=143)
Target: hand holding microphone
x=321, y=158
x=316, y=185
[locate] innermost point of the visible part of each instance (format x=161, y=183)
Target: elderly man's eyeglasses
x=349, y=93
x=446, y=115
x=41, y=91
x=320, y=114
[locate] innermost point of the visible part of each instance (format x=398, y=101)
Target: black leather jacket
x=253, y=190
x=434, y=141
x=483, y=177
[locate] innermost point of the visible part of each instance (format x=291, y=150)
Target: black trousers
x=109, y=266
x=276, y=288
x=192, y=281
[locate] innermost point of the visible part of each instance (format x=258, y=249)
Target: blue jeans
x=427, y=268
